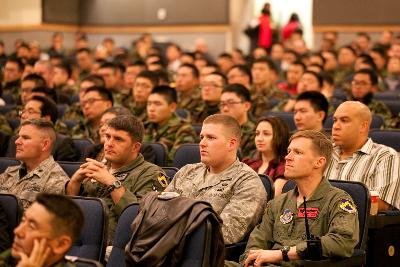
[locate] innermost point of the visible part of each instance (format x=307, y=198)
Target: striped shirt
x=375, y=165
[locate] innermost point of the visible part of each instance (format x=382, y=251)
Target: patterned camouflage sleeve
x=244, y=208
x=379, y=108
x=185, y=135
x=56, y=183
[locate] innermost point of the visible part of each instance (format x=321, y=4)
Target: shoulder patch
x=347, y=205
x=163, y=180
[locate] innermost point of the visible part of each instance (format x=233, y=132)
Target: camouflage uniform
x=138, y=178
x=118, y=97
x=335, y=221
x=380, y=108
x=5, y=126
x=67, y=89
x=247, y=143
x=343, y=77
x=236, y=194
x=204, y=110
x=190, y=100
x=84, y=130
x=175, y=133
x=73, y=112
x=261, y=100
x=13, y=89
x=138, y=109
x=48, y=177
x=6, y=260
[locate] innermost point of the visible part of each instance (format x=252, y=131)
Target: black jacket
x=162, y=226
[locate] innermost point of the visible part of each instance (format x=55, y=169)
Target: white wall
x=20, y=12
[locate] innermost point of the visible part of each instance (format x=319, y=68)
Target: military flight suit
x=138, y=178
x=173, y=134
x=247, y=143
x=261, y=100
x=189, y=100
x=48, y=177
x=204, y=110
x=6, y=260
x=332, y=217
x=236, y=194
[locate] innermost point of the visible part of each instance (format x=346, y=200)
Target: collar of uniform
x=131, y=165
x=39, y=169
x=173, y=121
x=222, y=176
x=319, y=192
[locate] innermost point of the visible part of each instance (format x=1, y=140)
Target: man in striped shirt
x=357, y=158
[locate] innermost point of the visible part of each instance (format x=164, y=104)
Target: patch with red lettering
x=311, y=212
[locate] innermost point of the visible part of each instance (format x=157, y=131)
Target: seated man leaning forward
x=46, y=233
x=125, y=177
x=38, y=171
x=280, y=237
x=232, y=188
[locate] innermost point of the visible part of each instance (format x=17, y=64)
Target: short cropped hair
x=240, y=90
x=129, y=124
x=36, y=78
x=168, y=93
x=322, y=145
x=317, y=76
x=44, y=126
x=67, y=216
x=48, y=107
x=103, y=92
x=17, y=61
x=243, y=69
x=97, y=80
x=149, y=75
x=229, y=123
x=221, y=75
x=372, y=75
x=317, y=100
x=265, y=60
x=195, y=71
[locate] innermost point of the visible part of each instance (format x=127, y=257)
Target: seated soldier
x=187, y=87
x=236, y=102
x=47, y=231
x=330, y=211
x=39, y=107
x=38, y=172
x=163, y=125
x=310, y=111
x=211, y=89
x=357, y=158
x=94, y=102
x=232, y=188
x=125, y=177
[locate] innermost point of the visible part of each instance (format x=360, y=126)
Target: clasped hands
x=93, y=169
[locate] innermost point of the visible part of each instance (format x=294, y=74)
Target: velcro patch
x=311, y=212
x=347, y=205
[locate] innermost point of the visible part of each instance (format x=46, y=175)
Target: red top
x=265, y=32
x=274, y=171
x=289, y=29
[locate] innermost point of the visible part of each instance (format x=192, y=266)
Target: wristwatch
x=285, y=251
x=117, y=184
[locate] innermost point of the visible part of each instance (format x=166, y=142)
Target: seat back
x=7, y=162
x=360, y=195
x=69, y=167
x=268, y=186
x=186, y=154
x=81, y=146
x=386, y=137
x=286, y=116
x=170, y=172
x=122, y=235
x=13, y=209
x=160, y=151
x=93, y=238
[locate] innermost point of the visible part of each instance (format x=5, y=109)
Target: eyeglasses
x=360, y=83
x=90, y=101
x=229, y=103
x=29, y=111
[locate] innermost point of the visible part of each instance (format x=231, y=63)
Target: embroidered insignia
x=163, y=180
x=311, y=213
x=347, y=206
x=121, y=176
x=286, y=217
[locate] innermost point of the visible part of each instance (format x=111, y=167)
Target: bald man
x=357, y=158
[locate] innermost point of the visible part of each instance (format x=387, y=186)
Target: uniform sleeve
x=135, y=192
x=56, y=182
x=185, y=135
x=343, y=233
x=243, y=210
x=262, y=235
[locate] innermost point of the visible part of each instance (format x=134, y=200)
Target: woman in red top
x=272, y=140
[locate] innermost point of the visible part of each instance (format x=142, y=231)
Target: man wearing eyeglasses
x=211, y=89
x=363, y=87
x=94, y=102
x=40, y=107
x=235, y=102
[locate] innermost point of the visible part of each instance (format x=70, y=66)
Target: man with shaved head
x=232, y=188
x=38, y=172
x=357, y=158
